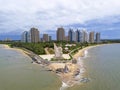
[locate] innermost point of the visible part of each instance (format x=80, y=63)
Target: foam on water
x=85, y=53
x=64, y=86
x=80, y=62
x=82, y=70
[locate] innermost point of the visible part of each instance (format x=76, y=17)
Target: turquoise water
x=103, y=68
x=18, y=73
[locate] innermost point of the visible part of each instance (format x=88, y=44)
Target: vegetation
x=60, y=60
x=111, y=41
x=38, y=48
x=51, y=50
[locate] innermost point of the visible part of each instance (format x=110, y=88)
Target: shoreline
x=76, y=73
x=81, y=53
x=36, y=59
x=16, y=49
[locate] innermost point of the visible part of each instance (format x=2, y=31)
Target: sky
x=101, y=16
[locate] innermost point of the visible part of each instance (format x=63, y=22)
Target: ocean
x=18, y=73
x=102, y=66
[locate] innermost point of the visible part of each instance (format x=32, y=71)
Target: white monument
x=58, y=52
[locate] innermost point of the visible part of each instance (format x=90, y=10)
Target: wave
x=82, y=70
x=64, y=86
x=85, y=53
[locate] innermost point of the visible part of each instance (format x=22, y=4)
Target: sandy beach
x=76, y=71
x=81, y=52
x=16, y=49
x=50, y=56
x=70, y=78
x=67, y=78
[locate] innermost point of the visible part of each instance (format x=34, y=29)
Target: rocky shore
x=76, y=71
x=35, y=58
x=70, y=73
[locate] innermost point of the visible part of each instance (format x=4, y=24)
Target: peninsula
x=71, y=71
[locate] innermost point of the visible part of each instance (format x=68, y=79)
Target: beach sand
x=81, y=52
x=16, y=49
x=50, y=56
x=69, y=78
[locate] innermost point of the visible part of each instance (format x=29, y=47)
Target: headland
x=70, y=73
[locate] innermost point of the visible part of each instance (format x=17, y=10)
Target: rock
x=59, y=70
x=66, y=69
x=77, y=72
x=84, y=80
x=74, y=61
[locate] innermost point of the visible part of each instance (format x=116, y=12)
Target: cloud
x=109, y=27
x=47, y=15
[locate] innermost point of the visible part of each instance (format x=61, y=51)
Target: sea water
x=18, y=73
x=103, y=68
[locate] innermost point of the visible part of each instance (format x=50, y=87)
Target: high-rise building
x=74, y=37
x=78, y=36
x=7, y=39
x=86, y=35
x=24, y=36
x=60, y=34
x=71, y=35
x=45, y=37
x=66, y=38
x=34, y=36
x=83, y=36
x=98, y=37
x=29, y=37
x=50, y=38
x=91, y=37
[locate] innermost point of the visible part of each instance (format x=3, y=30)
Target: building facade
x=29, y=37
x=85, y=36
x=50, y=38
x=71, y=35
x=45, y=37
x=78, y=36
x=91, y=37
x=98, y=37
x=60, y=34
x=34, y=36
x=24, y=36
x=74, y=36
x=81, y=36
